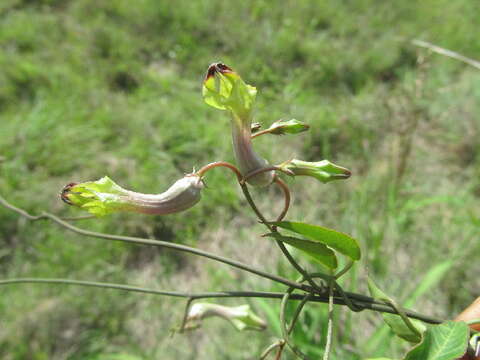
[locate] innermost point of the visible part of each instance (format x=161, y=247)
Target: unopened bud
x=324, y=170
x=241, y=317
x=292, y=126
x=104, y=197
x=254, y=127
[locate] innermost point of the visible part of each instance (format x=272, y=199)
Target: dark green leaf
x=312, y=249
x=338, y=241
x=446, y=341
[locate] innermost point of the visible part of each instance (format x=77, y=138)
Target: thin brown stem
x=185, y=314
x=260, y=133
x=262, y=170
x=286, y=192
x=286, y=253
x=210, y=166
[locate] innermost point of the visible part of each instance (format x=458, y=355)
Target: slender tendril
x=260, y=133
x=363, y=301
x=282, y=247
x=142, y=241
x=342, y=272
x=298, y=310
x=204, y=169
x=185, y=314
x=283, y=325
x=270, y=348
x=328, y=345
x=265, y=169
x=404, y=317
x=286, y=192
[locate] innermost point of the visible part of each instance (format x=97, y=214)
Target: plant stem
x=328, y=345
x=362, y=301
x=260, y=133
x=283, y=325
x=204, y=169
x=446, y=52
x=142, y=241
x=282, y=247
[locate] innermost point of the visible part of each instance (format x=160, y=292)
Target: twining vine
x=224, y=89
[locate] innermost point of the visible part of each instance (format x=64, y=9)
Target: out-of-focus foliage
x=89, y=89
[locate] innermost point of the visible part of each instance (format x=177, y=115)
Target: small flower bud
x=292, y=126
x=224, y=89
x=324, y=170
x=104, y=197
x=255, y=127
x=241, y=317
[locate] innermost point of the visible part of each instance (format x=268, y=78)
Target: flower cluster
x=223, y=89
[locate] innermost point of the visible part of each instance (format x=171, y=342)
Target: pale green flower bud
x=241, y=317
x=104, y=197
x=292, y=126
x=324, y=170
x=224, y=89
x=255, y=127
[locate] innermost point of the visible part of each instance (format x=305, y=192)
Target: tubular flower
x=104, y=197
x=225, y=90
x=324, y=170
x=241, y=317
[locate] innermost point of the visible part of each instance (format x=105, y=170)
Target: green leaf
x=338, y=241
x=395, y=322
x=430, y=280
x=380, y=358
x=447, y=341
x=315, y=250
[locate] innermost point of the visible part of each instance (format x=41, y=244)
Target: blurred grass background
x=94, y=88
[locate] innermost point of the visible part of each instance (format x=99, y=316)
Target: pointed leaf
x=430, y=280
x=338, y=241
x=395, y=322
x=447, y=341
x=315, y=250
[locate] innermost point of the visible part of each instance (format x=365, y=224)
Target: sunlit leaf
x=314, y=250
x=338, y=241
x=447, y=341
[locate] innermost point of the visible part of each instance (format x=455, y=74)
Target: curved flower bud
x=104, y=197
x=241, y=317
x=255, y=127
x=292, y=126
x=324, y=170
x=224, y=89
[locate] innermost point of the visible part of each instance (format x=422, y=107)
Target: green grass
x=89, y=89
